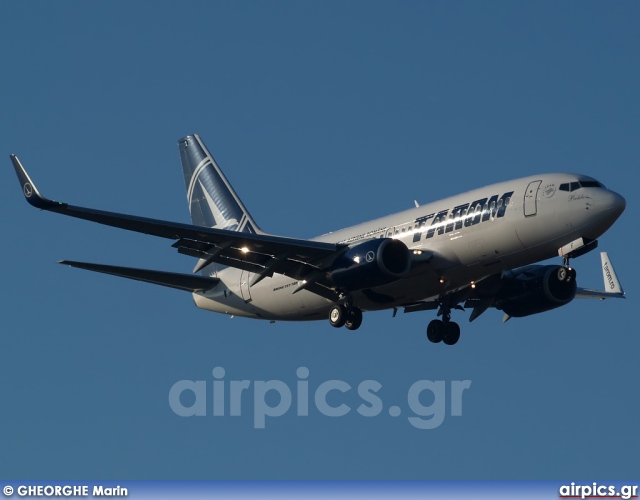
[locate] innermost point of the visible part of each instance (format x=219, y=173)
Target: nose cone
x=609, y=205
x=612, y=203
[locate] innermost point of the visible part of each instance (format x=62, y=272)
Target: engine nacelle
x=536, y=289
x=372, y=263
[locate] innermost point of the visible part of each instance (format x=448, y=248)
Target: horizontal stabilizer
x=299, y=253
x=185, y=282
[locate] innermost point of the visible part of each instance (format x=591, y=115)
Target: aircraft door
x=531, y=198
x=244, y=286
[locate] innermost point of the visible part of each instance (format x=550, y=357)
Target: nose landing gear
x=349, y=317
x=566, y=273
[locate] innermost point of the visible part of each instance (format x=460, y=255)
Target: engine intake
x=372, y=263
x=536, y=289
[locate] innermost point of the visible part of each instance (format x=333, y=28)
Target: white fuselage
x=454, y=241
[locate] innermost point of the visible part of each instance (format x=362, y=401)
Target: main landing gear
x=439, y=331
x=349, y=317
x=443, y=330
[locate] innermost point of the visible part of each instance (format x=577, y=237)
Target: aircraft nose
x=611, y=201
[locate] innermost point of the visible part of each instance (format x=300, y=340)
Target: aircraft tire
x=337, y=316
x=451, y=333
x=354, y=319
x=563, y=273
x=435, y=331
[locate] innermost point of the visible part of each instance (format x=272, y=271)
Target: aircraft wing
x=259, y=253
x=489, y=291
x=611, y=283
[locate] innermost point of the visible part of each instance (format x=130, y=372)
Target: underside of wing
x=586, y=293
x=524, y=291
x=261, y=254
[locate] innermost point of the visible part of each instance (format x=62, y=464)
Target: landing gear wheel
x=435, y=331
x=337, y=316
x=354, y=318
x=562, y=274
x=451, y=333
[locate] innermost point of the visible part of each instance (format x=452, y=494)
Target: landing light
x=356, y=259
x=442, y=281
x=473, y=284
x=244, y=249
x=417, y=252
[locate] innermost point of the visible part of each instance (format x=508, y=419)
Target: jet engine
x=536, y=289
x=370, y=264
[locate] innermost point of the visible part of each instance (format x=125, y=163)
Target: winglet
x=29, y=189
x=612, y=287
x=611, y=282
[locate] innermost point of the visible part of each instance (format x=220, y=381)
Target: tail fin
x=212, y=200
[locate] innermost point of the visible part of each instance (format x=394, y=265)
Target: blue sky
x=322, y=115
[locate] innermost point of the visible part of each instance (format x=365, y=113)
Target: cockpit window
x=591, y=184
x=574, y=186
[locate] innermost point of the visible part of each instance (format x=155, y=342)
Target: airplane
x=474, y=250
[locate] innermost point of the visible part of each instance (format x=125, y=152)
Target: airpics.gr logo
x=426, y=399
x=596, y=490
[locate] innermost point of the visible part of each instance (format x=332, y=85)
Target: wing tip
x=609, y=276
x=29, y=189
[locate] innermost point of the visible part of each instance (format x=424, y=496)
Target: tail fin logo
x=212, y=200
